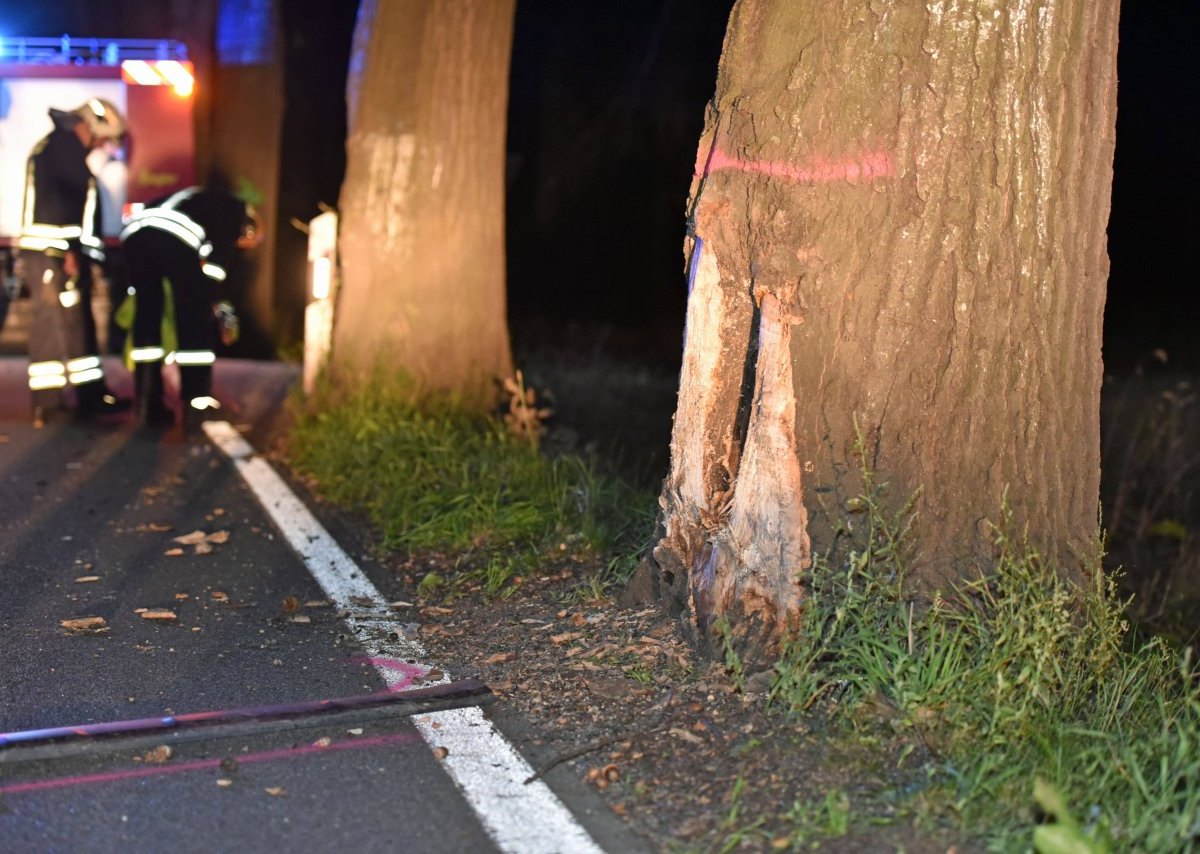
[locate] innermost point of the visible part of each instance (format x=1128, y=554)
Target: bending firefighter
x=176, y=252
x=59, y=241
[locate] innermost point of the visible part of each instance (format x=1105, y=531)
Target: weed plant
x=1151, y=495
x=1013, y=679
x=435, y=477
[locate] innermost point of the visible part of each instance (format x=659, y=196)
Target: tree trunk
x=897, y=247
x=422, y=206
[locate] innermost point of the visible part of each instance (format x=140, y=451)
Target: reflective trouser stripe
x=147, y=354
x=194, y=357
x=44, y=375
x=91, y=375
x=83, y=363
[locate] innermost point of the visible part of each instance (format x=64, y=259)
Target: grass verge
x=1016, y=708
x=433, y=477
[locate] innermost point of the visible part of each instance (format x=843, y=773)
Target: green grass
x=1010, y=681
x=435, y=478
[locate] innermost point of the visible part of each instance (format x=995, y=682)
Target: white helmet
x=102, y=117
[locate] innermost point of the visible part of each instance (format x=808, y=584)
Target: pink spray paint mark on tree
x=815, y=170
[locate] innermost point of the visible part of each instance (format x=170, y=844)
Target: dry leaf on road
x=190, y=539
x=499, y=658
x=157, y=614
x=85, y=625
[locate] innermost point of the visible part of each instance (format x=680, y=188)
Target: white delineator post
x=318, y=314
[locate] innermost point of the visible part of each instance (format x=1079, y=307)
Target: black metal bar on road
x=69, y=741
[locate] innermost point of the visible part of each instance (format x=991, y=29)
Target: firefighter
x=177, y=251
x=59, y=240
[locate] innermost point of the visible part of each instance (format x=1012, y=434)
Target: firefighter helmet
x=102, y=117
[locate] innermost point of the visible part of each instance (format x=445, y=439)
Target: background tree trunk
x=899, y=218
x=422, y=206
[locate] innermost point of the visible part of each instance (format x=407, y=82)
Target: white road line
x=487, y=769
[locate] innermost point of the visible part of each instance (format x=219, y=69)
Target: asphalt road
x=89, y=514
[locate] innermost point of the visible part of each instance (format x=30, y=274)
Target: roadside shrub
x=433, y=476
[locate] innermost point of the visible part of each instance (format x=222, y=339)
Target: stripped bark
x=898, y=247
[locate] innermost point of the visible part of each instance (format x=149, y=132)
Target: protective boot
x=96, y=399
x=148, y=392
x=195, y=392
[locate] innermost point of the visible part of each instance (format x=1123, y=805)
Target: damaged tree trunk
x=422, y=207
x=896, y=259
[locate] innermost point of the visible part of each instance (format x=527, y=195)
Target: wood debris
x=85, y=626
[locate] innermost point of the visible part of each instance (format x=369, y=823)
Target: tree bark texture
x=422, y=205
x=896, y=244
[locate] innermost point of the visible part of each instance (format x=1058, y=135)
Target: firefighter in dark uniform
x=60, y=238
x=177, y=251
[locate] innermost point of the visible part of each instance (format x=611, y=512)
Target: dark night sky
x=607, y=103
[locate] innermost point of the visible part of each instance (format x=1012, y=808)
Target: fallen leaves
x=275, y=791
x=87, y=579
x=500, y=658
x=164, y=614
x=85, y=626
x=601, y=778
x=201, y=542
x=441, y=752
x=157, y=755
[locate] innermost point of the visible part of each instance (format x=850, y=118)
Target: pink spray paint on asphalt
x=207, y=764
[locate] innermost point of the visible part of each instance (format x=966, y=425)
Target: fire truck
x=150, y=81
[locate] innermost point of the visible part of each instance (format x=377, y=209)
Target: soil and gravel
x=616, y=694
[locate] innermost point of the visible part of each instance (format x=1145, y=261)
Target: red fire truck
x=150, y=81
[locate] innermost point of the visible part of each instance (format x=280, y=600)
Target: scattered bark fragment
x=190, y=539
x=219, y=596
x=157, y=614
x=157, y=755
x=275, y=791
x=499, y=658
x=87, y=579
x=85, y=625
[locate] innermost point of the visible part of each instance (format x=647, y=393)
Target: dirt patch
x=686, y=757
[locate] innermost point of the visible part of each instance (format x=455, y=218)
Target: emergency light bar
x=67, y=51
